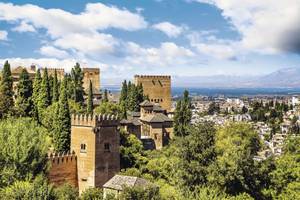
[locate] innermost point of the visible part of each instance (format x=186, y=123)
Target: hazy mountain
x=288, y=77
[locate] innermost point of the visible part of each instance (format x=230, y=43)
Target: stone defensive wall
x=63, y=169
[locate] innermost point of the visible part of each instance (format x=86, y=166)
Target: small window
x=107, y=147
x=161, y=100
x=83, y=148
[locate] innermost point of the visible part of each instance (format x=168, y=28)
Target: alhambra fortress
x=94, y=156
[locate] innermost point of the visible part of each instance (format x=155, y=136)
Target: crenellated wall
x=63, y=169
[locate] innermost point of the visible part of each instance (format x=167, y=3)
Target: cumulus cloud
x=75, y=32
x=24, y=27
x=3, y=35
x=206, y=43
x=67, y=64
x=51, y=51
x=167, y=54
x=268, y=26
x=169, y=29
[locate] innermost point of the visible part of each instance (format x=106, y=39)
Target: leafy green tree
x=77, y=78
x=108, y=108
x=130, y=150
x=140, y=193
x=24, y=104
x=66, y=191
x=55, y=88
x=92, y=194
x=285, y=178
x=6, y=91
x=183, y=115
x=90, y=105
x=23, y=152
x=36, y=93
x=62, y=135
x=197, y=153
x=234, y=168
x=213, y=108
x=44, y=96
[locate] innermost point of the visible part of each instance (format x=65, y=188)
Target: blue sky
x=176, y=37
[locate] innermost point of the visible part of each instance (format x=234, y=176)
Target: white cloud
x=166, y=55
x=24, y=27
x=3, y=35
x=78, y=33
x=67, y=64
x=207, y=44
x=169, y=29
x=88, y=43
x=269, y=26
x=51, y=51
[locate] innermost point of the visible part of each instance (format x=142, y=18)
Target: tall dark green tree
x=77, y=77
x=196, y=153
x=124, y=92
x=24, y=104
x=36, y=93
x=55, y=88
x=183, y=115
x=6, y=91
x=132, y=99
x=105, y=96
x=90, y=105
x=62, y=133
x=44, y=99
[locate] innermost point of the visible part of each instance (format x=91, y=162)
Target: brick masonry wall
x=63, y=169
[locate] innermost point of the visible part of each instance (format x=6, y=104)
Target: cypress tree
x=35, y=95
x=44, y=92
x=183, y=115
x=105, y=96
x=62, y=134
x=55, y=94
x=24, y=103
x=77, y=77
x=123, y=96
x=51, y=80
x=90, y=105
x=6, y=91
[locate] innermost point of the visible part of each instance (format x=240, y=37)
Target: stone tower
x=92, y=74
x=95, y=140
x=158, y=89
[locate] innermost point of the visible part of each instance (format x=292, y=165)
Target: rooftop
x=119, y=181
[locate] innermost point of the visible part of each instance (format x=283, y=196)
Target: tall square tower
x=157, y=88
x=96, y=141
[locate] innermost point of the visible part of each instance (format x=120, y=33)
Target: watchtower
x=95, y=140
x=157, y=88
x=91, y=74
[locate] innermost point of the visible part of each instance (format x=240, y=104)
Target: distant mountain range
x=284, y=78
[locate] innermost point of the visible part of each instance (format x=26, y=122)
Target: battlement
x=152, y=76
x=53, y=69
x=90, y=69
x=62, y=158
x=94, y=120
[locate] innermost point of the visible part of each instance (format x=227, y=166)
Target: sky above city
x=174, y=37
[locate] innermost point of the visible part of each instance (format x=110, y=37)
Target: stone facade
x=59, y=71
x=157, y=88
x=92, y=74
x=95, y=141
x=63, y=169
